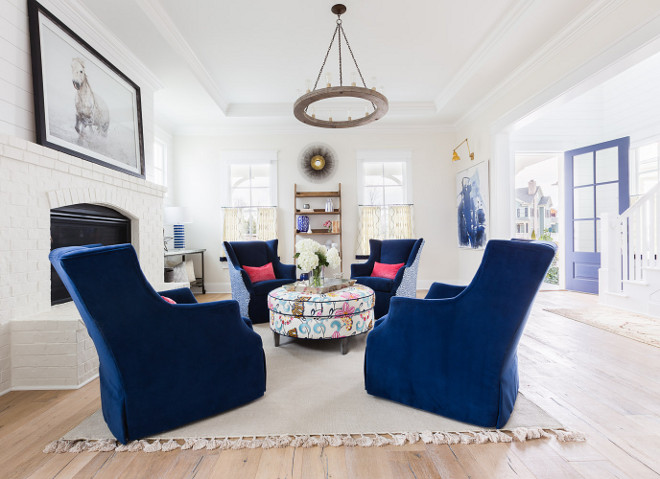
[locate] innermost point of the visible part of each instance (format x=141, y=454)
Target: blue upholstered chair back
x=252, y=253
x=457, y=347
x=396, y=251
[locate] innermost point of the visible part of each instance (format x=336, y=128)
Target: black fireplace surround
x=83, y=224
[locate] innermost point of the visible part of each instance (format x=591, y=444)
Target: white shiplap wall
x=16, y=98
x=16, y=102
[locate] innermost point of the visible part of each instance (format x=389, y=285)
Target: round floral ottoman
x=334, y=315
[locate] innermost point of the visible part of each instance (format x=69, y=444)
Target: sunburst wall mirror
x=317, y=162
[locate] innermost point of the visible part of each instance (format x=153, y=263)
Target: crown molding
x=295, y=128
x=590, y=16
x=167, y=28
x=80, y=19
x=473, y=64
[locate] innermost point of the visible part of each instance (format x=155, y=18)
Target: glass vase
x=316, y=277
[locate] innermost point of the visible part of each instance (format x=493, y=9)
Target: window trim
x=385, y=156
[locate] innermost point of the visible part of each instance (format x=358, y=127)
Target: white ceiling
x=224, y=62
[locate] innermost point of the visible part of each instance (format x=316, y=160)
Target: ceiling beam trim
x=474, y=63
x=590, y=16
x=167, y=28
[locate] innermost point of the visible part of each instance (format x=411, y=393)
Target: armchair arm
x=284, y=271
x=180, y=295
x=362, y=269
x=442, y=291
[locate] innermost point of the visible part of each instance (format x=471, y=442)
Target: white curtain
x=369, y=227
x=400, y=224
x=266, y=223
x=233, y=224
x=384, y=222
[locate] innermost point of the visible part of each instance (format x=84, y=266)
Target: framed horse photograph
x=84, y=105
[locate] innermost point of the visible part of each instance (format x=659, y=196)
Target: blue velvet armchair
x=253, y=297
x=407, y=251
x=454, y=353
x=162, y=365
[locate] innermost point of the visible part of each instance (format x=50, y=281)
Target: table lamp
x=177, y=216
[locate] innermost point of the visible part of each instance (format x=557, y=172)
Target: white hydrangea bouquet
x=313, y=256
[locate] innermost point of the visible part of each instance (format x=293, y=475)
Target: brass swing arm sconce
x=456, y=157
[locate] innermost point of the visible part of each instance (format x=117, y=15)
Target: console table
x=183, y=253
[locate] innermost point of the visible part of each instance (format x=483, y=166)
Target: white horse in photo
x=91, y=110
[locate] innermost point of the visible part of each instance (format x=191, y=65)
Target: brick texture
x=42, y=346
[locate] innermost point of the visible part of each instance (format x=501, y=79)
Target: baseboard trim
x=217, y=287
x=51, y=387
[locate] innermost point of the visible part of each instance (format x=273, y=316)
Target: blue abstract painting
x=472, y=206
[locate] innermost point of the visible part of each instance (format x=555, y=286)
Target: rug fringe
x=519, y=434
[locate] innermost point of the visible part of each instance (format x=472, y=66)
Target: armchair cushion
x=260, y=273
x=385, y=270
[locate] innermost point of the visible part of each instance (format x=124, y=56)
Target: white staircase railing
x=630, y=243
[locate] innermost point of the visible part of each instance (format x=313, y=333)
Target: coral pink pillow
x=260, y=273
x=169, y=300
x=384, y=270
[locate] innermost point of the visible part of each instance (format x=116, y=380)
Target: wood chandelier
x=377, y=99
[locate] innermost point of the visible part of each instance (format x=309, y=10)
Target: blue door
x=596, y=180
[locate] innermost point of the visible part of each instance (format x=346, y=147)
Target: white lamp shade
x=177, y=215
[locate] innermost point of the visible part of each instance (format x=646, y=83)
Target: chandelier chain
x=352, y=56
x=326, y=56
x=341, y=78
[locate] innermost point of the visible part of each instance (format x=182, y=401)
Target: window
x=160, y=163
x=250, y=205
x=384, y=196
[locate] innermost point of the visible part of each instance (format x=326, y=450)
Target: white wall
x=586, y=53
x=199, y=184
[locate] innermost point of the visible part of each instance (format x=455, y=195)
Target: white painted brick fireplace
x=43, y=347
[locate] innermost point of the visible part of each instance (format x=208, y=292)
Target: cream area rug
x=639, y=327
x=316, y=397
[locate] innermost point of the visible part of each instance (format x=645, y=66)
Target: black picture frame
x=84, y=105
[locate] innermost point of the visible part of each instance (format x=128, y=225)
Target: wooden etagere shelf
x=300, y=197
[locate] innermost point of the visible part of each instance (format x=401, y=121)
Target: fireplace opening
x=82, y=224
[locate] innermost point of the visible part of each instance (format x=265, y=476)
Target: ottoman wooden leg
x=344, y=345
x=276, y=339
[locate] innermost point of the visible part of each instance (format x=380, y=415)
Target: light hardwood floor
x=602, y=384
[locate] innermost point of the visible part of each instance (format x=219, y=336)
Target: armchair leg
x=344, y=345
x=276, y=339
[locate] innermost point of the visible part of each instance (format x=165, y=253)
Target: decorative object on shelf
x=329, y=207
x=328, y=224
x=455, y=156
x=313, y=257
x=377, y=100
x=83, y=104
x=177, y=216
x=303, y=223
x=310, y=165
x=472, y=206
x=306, y=207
